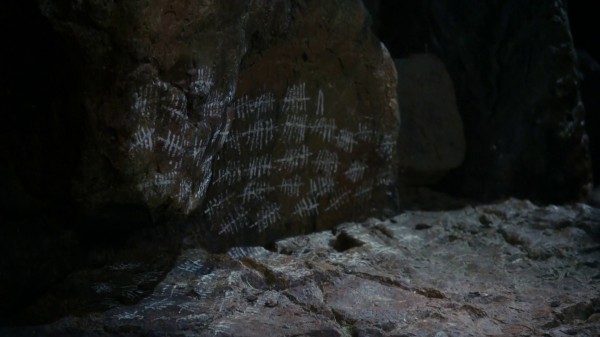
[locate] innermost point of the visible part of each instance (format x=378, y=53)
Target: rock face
x=257, y=119
x=513, y=68
x=431, y=140
x=241, y=121
x=506, y=269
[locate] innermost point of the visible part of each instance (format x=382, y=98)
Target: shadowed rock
x=259, y=119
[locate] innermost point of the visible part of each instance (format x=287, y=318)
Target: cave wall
x=513, y=65
x=128, y=125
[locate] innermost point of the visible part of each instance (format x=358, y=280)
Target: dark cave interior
x=42, y=140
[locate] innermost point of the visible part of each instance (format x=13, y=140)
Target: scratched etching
x=325, y=128
x=235, y=220
x=321, y=186
x=356, y=171
x=294, y=158
x=387, y=147
x=365, y=133
x=267, y=216
x=246, y=107
x=306, y=207
x=326, y=162
x=363, y=191
x=165, y=134
x=291, y=186
x=295, y=128
x=259, y=134
x=202, y=80
x=295, y=99
x=229, y=175
x=143, y=139
x=289, y=158
x=320, y=103
x=214, y=106
x=258, y=167
x=339, y=199
x=256, y=190
x=345, y=140
x=218, y=204
x=384, y=178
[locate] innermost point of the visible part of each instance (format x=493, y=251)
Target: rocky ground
x=507, y=269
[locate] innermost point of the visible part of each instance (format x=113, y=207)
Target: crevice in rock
x=344, y=241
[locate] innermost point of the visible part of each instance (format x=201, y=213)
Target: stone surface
x=589, y=85
x=513, y=68
x=230, y=121
x=261, y=119
x=506, y=269
x=431, y=140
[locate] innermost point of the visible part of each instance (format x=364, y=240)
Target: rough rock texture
x=256, y=115
x=251, y=119
x=513, y=68
x=431, y=140
x=508, y=269
x=241, y=121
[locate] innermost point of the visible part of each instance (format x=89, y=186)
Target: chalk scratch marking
x=198, y=150
x=364, y=191
x=143, y=139
x=356, y=171
x=295, y=128
x=387, y=146
x=174, y=144
x=295, y=158
x=324, y=127
x=229, y=175
x=255, y=190
x=185, y=190
x=259, y=166
x=365, y=133
x=214, y=106
x=260, y=134
x=384, y=178
x=202, y=80
x=268, y=216
x=254, y=108
x=320, y=103
x=291, y=187
x=306, y=207
x=295, y=99
x=218, y=204
x=321, y=185
x=338, y=200
x=326, y=162
x=345, y=140
x=234, y=221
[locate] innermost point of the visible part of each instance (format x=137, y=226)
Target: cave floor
x=504, y=269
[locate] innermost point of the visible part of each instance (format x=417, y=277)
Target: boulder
x=209, y=122
x=249, y=121
x=431, y=140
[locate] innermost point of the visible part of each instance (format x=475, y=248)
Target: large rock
x=431, y=140
x=253, y=120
